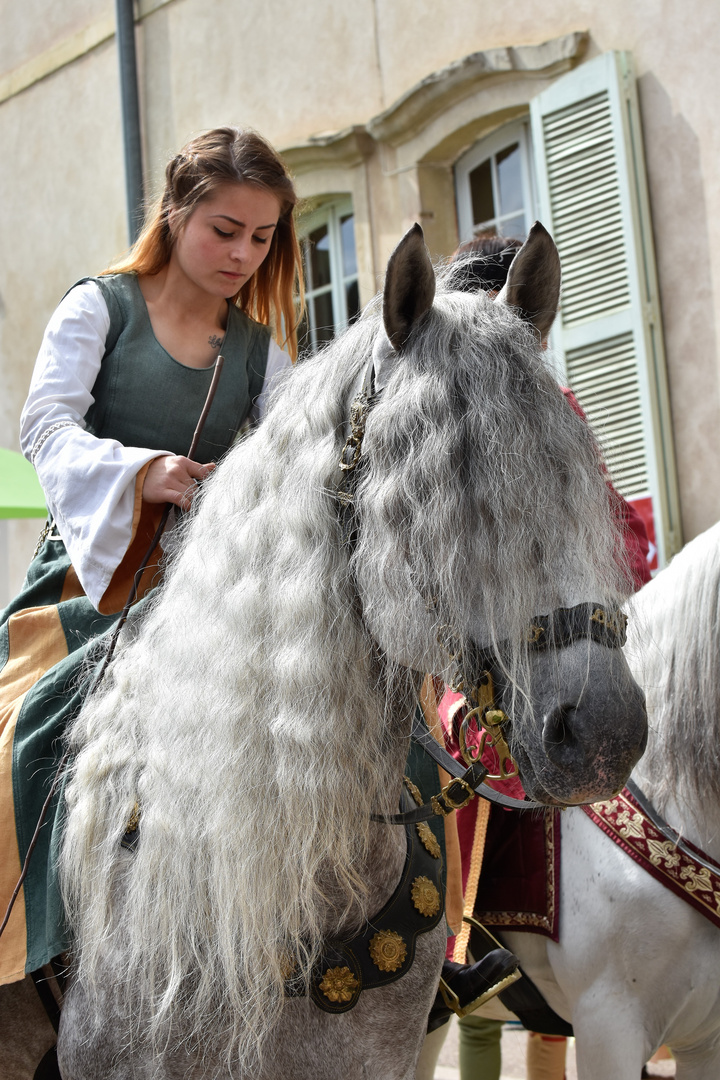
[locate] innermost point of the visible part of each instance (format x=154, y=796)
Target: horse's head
x=481, y=504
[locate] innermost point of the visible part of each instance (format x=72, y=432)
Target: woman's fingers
x=173, y=479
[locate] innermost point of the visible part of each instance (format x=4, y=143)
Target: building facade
x=460, y=114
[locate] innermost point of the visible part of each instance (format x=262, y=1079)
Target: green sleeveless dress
x=143, y=398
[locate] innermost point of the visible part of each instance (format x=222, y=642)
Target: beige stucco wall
x=294, y=71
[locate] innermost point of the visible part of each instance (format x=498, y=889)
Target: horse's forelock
x=472, y=451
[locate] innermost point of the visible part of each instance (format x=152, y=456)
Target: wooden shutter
x=593, y=198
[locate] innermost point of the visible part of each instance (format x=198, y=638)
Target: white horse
x=260, y=713
x=636, y=965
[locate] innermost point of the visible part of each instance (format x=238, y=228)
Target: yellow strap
x=473, y=880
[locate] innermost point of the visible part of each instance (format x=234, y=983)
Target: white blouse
x=89, y=483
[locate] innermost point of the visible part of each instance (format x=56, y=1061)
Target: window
x=494, y=186
x=331, y=277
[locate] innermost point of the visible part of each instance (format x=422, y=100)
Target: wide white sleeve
x=89, y=483
x=277, y=362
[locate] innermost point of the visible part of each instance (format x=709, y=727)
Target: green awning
x=20, y=493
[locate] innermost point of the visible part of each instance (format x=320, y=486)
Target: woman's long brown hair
x=274, y=294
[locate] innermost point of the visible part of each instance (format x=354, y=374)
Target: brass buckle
x=437, y=806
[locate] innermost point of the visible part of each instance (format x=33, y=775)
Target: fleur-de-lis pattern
x=663, y=853
x=630, y=824
x=625, y=822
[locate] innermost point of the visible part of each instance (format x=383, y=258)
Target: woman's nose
x=241, y=249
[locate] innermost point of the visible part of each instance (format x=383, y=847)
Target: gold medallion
x=428, y=839
x=425, y=896
x=414, y=790
x=339, y=984
x=387, y=950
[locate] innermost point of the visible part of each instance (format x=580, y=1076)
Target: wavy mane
x=673, y=639
x=260, y=711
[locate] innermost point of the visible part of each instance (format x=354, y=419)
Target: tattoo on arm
x=215, y=341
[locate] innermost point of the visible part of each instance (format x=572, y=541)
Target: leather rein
x=563, y=627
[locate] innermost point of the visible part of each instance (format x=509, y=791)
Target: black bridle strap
x=563, y=627
x=457, y=793
x=668, y=832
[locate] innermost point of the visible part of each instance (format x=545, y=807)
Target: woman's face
x=226, y=238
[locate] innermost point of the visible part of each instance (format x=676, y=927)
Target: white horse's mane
x=673, y=637
x=250, y=714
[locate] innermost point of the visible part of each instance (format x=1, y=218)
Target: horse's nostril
x=557, y=734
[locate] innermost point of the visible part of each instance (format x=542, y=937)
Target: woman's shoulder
x=250, y=337
x=117, y=290
x=238, y=317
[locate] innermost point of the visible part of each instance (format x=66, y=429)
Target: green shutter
x=593, y=198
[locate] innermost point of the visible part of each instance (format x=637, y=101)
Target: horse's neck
x=384, y=864
x=700, y=824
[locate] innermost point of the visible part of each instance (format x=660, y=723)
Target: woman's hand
x=173, y=479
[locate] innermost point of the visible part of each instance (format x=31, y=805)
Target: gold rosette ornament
x=387, y=950
x=425, y=896
x=339, y=984
x=428, y=839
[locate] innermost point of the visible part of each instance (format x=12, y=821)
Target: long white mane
x=674, y=643
x=253, y=716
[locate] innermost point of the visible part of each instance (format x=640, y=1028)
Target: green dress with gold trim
x=142, y=398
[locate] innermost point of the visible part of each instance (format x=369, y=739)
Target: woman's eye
x=260, y=239
x=220, y=232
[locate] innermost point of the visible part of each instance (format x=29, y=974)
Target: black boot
x=465, y=987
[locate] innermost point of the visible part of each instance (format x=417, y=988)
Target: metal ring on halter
x=490, y=721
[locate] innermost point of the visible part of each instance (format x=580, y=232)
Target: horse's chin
x=557, y=789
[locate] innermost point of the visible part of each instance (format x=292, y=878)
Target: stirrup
x=453, y=1002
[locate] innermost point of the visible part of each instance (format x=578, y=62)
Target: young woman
x=120, y=382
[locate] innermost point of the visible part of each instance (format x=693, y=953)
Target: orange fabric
x=430, y=695
x=71, y=586
x=36, y=643
x=146, y=518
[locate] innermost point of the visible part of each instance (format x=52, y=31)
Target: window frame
x=330, y=213
x=518, y=131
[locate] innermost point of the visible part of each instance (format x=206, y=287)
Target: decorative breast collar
x=638, y=829
x=384, y=951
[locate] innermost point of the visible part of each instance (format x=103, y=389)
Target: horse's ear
x=533, y=281
x=409, y=287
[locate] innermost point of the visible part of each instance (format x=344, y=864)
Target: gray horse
x=259, y=714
